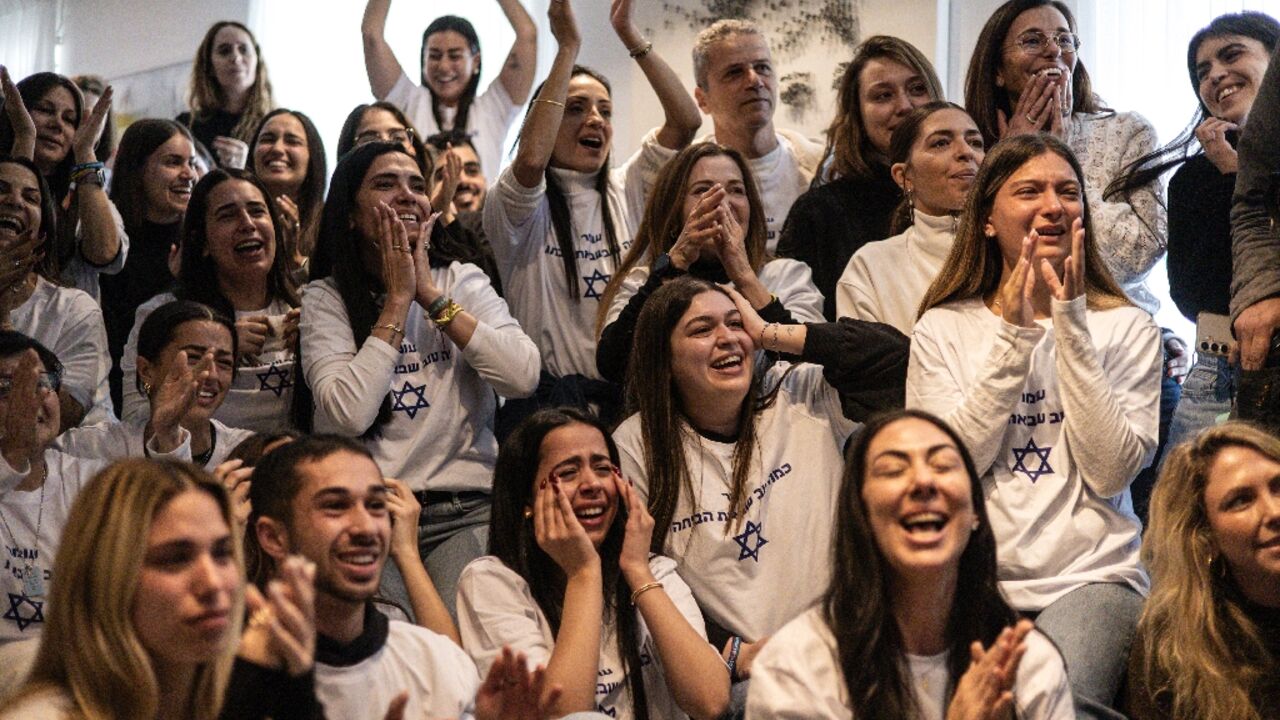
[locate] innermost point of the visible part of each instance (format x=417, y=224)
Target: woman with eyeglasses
x=288, y=157
x=380, y=122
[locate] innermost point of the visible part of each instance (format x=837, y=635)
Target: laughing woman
x=571, y=584
x=913, y=589
x=288, y=156
x=231, y=263
x=741, y=472
x=406, y=350
x=1030, y=350
x=935, y=153
x=559, y=218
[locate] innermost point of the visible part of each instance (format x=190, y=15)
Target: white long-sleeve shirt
x=886, y=280
x=440, y=436
x=797, y=676
x=1059, y=419
x=69, y=322
x=517, y=221
x=488, y=120
x=753, y=577
x=116, y=440
x=82, y=274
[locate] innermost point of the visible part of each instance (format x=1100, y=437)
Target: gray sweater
x=1255, y=245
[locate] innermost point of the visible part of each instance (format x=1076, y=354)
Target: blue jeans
x=1093, y=627
x=450, y=535
x=1206, y=395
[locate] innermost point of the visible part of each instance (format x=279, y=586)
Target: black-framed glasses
x=44, y=381
x=1034, y=42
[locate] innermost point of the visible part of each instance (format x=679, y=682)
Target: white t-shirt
x=1059, y=419
x=497, y=608
x=488, y=121
x=115, y=440
x=440, y=436
x=886, y=280
x=751, y=578
x=21, y=513
x=47, y=704
x=517, y=221
x=440, y=678
x=783, y=175
x=261, y=394
x=69, y=322
x=83, y=275
x=797, y=676
x=791, y=281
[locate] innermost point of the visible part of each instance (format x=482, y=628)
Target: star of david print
x=416, y=394
x=15, y=613
x=595, y=277
x=1041, y=460
x=275, y=379
x=750, y=548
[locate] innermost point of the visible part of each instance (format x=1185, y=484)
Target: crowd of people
x=745, y=425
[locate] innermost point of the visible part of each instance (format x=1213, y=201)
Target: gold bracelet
x=389, y=326
x=447, y=315
x=548, y=101
x=644, y=589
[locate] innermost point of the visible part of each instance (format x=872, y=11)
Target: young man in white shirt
x=737, y=86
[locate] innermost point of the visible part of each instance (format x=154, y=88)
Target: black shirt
x=1200, y=238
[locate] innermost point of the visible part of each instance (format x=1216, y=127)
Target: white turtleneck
x=886, y=280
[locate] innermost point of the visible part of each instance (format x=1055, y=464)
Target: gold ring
x=262, y=617
x=1030, y=118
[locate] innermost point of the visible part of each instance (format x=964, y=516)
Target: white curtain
x=28, y=35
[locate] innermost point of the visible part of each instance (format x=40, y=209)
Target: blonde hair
x=89, y=648
x=204, y=94
x=1201, y=652
x=973, y=267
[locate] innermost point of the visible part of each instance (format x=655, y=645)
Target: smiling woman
x=229, y=92
x=288, y=156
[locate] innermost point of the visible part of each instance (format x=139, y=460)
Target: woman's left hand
x=405, y=511
x=751, y=320
x=290, y=335
x=442, y=197
x=86, y=137
x=24, y=128
x=235, y=476
x=633, y=560
x=1071, y=285
x=282, y=626
x=426, y=290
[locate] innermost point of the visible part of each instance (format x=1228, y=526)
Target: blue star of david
x=418, y=399
x=1020, y=457
x=15, y=606
x=275, y=379
x=750, y=549
x=595, y=277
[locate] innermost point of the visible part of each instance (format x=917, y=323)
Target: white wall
x=120, y=37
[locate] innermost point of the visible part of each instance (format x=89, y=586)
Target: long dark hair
x=558, y=204
x=664, y=217
x=140, y=141
x=901, y=142
x=511, y=537
x=311, y=194
x=651, y=392
x=858, y=603
x=158, y=329
x=984, y=99
x=1150, y=167
x=48, y=216
x=197, y=274
x=463, y=27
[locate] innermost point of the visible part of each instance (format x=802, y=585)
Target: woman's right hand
x=281, y=631
x=398, y=276
x=1035, y=111
x=231, y=152
x=1014, y=297
x=699, y=229
x=985, y=691
x=24, y=128
x=251, y=335
x=564, y=26
x=19, y=441
x=236, y=477
x=557, y=529
x=1212, y=134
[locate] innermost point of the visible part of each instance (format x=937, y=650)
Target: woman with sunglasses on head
x=913, y=624
x=232, y=262
x=229, y=93
x=288, y=157
x=44, y=121
x=559, y=217
x=935, y=153
x=571, y=583
x=448, y=97
x=739, y=467
x=854, y=198
x=64, y=319
x=1031, y=351
x=405, y=346
x=704, y=218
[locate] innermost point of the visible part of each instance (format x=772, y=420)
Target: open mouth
x=592, y=143
x=1051, y=231
x=924, y=522
x=12, y=224
x=250, y=247
x=728, y=362
x=1228, y=91
x=1051, y=71
x=279, y=165
x=183, y=190
x=363, y=563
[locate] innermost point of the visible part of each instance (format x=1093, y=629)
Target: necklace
x=203, y=458
x=32, y=582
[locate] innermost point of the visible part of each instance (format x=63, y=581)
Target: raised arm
x=682, y=118
x=24, y=128
x=99, y=237
x=379, y=61
x=538, y=136
x=517, y=72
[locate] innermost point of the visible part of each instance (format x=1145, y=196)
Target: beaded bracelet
x=436, y=306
